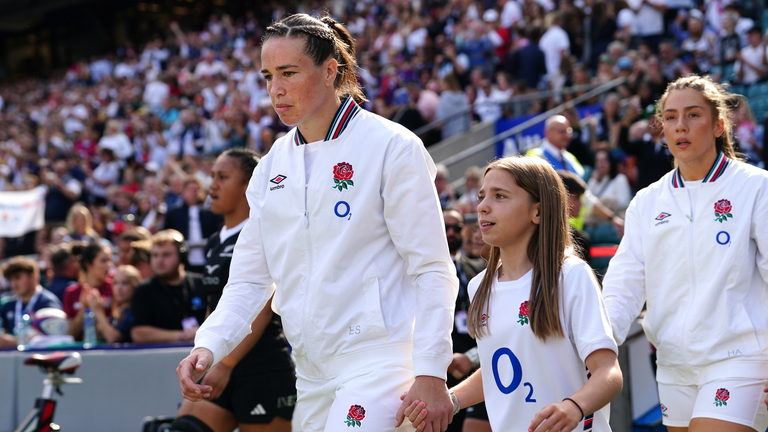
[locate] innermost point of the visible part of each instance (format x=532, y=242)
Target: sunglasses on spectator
x=455, y=228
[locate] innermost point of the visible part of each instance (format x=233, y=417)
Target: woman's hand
x=217, y=378
x=563, y=416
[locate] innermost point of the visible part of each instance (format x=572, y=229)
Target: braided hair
x=325, y=38
x=247, y=160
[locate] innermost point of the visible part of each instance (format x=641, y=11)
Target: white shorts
x=362, y=400
x=735, y=400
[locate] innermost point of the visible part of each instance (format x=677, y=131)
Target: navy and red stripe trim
x=718, y=168
x=347, y=111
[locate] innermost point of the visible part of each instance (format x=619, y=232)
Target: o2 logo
x=723, y=238
x=343, y=210
x=517, y=373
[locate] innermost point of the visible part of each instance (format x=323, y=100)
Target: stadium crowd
x=124, y=143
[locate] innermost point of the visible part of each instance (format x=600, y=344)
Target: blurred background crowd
x=120, y=139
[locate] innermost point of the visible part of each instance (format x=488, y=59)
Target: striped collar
x=347, y=111
x=718, y=168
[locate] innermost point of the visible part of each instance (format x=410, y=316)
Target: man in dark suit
x=195, y=223
x=527, y=63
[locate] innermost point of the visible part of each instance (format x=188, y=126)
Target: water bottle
x=89, y=329
x=23, y=330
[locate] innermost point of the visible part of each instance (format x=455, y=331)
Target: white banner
x=22, y=212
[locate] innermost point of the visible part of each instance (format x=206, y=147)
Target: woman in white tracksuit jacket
x=345, y=222
x=696, y=250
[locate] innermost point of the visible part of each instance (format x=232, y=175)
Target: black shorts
x=477, y=412
x=258, y=398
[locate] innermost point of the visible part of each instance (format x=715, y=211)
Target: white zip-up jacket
x=705, y=279
x=359, y=257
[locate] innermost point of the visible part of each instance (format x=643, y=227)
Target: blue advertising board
x=529, y=138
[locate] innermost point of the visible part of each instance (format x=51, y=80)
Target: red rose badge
x=355, y=416
x=484, y=320
x=723, y=210
x=721, y=397
x=342, y=176
x=523, y=314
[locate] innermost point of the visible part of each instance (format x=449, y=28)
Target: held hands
x=416, y=413
x=217, y=378
x=563, y=416
x=190, y=370
x=434, y=394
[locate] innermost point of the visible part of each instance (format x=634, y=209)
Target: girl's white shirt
x=521, y=373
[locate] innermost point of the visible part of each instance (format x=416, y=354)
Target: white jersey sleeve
x=624, y=283
x=249, y=287
x=415, y=223
x=586, y=318
x=759, y=232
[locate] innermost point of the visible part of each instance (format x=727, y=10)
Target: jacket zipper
x=305, y=313
x=691, y=263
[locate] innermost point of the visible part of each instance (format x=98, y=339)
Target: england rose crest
x=523, y=313
x=723, y=210
x=355, y=416
x=721, y=397
x=342, y=176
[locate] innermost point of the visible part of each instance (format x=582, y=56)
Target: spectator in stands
x=608, y=184
x=652, y=155
x=669, y=61
x=602, y=30
x=63, y=190
x=467, y=202
x=140, y=257
x=96, y=263
x=752, y=62
x=116, y=325
x=465, y=357
x=650, y=20
x=65, y=270
x=488, y=102
x=106, y=174
x=452, y=102
x=557, y=133
x=701, y=44
x=147, y=214
x=23, y=274
x=527, y=62
x=555, y=45
x=474, y=42
x=193, y=222
x=444, y=190
x=576, y=188
x=730, y=45
x=124, y=243
x=169, y=306
x=626, y=23
x=80, y=224
x=116, y=140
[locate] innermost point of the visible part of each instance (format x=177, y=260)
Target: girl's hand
x=416, y=412
x=563, y=416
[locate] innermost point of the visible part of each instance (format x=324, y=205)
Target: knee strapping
x=189, y=423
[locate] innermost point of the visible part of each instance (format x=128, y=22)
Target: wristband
x=577, y=406
x=456, y=404
x=474, y=357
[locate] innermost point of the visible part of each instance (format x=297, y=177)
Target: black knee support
x=189, y=423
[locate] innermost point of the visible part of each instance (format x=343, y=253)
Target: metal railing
x=531, y=122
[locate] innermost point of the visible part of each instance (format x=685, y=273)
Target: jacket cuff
x=431, y=366
x=212, y=343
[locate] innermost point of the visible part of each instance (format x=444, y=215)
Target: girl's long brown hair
x=546, y=248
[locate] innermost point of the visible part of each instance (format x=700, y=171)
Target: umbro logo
x=663, y=218
x=259, y=410
x=277, y=180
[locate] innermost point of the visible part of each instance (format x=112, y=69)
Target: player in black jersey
x=255, y=386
